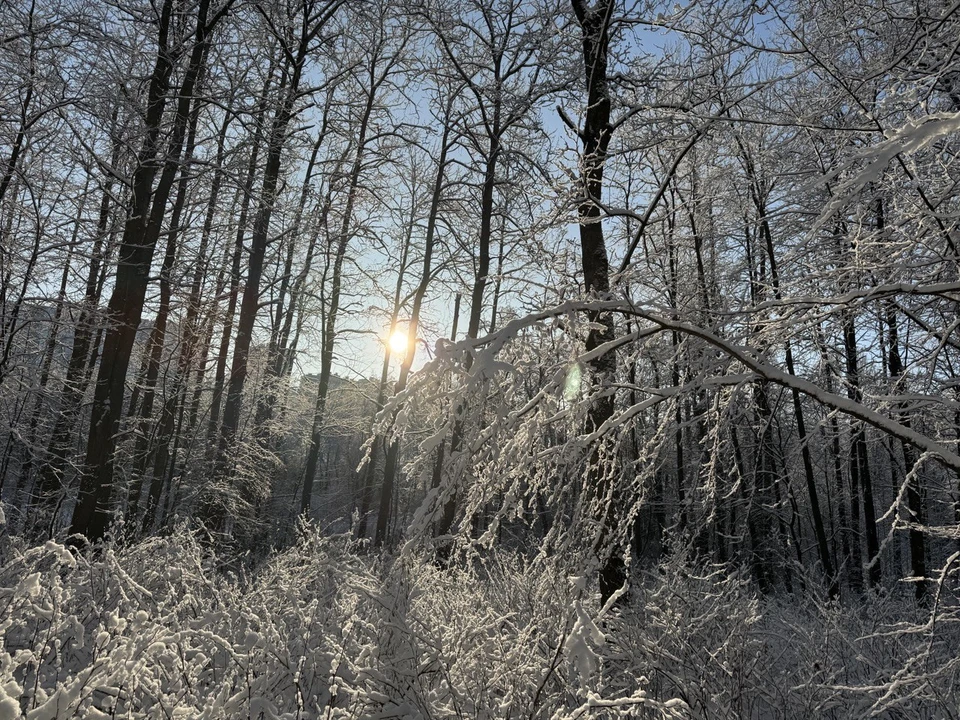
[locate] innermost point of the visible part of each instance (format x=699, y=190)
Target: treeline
x=701, y=262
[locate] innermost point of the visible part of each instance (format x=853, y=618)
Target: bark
x=314, y=20
x=861, y=482
x=480, y=278
x=595, y=134
x=915, y=505
x=10, y=325
x=146, y=442
x=283, y=318
x=223, y=351
x=673, y=291
x=93, y=511
x=848, y=515
x=250, y=302
x=25, y=121
x=51, y=480
x=173, y=406
x=369, y=473
x=25, y=479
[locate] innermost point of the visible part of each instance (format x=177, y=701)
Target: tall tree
x=297, y=35
x=388, y=40
x=595, y=133
x=93, y=511
x=448, y=138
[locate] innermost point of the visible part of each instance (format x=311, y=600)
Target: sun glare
x=398, y=342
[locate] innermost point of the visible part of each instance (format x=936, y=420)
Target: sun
x=398, y=342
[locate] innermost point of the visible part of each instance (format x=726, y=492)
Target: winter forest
x=480, y=359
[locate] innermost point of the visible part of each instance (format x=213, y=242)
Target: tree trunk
x=595, y=135
x=51, y=481
x=174, y=404
x=816, y=516
x=26, y=468
x=250, y=302
x=223, y=351
x=918, y=562
x=314, y=21
x=861, y=483
x=93, y=511
x=283, y=318
x=146, y=441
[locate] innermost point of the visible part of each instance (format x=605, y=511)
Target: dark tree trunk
x=595, y=135
x=223, y=350
x=93, y=511
x=763, y=511
x=146, y=441
x=480, y=278
x=250, y=302
x=676, y=372
x=32, y=450
x=283, y=317
x=173, y=406
x=918, y=562
x=329, y=334
x=314, y=21
x=51, y=480
x=861, y=483
x=26, y=107
x=816, y=516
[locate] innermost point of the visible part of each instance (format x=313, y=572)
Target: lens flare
x=571, y=385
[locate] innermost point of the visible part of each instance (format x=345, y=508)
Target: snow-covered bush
x=701, y=633
x=166, y=629
x=162, y=629
x=691, y=631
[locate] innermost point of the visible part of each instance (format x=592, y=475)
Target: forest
x=481, y=359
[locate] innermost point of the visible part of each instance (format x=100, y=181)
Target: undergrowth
x=161, y=629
